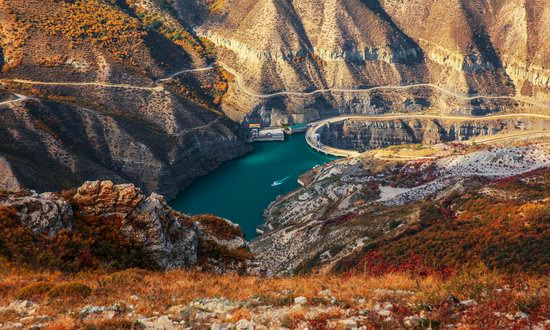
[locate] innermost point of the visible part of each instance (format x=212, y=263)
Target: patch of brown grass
x=34, y=290
x=158, y=291
x=218, y=227
x=116, y=324
x=239, y=314
x=65, y=323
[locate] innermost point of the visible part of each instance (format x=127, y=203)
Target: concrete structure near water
x=298, y=128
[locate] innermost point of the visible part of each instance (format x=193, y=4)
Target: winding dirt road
x=311, y=132
x=313, y=142
x=175, y=74
x=156, y=87
x=246, y=90
x=18, y=99
x=239, y=80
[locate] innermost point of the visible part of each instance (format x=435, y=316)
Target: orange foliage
x=507, y=229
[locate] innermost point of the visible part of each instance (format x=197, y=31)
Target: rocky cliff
x=362, y=135
x=106, y=225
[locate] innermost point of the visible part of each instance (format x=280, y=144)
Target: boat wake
x=279, y=182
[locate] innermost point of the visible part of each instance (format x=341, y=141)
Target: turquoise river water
x=242, y=188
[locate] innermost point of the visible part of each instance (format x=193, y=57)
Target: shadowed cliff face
x=50, y=146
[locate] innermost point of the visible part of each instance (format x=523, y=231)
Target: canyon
x=198, y=78
x=109, y=109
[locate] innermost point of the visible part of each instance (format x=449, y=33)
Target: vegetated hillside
x=471, y=47
x=94, y=39
x=447, y=207
x=505, y=225
x=109, y=116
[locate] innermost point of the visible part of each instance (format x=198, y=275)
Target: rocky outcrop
x=165, y=238
x=368, y=54
x=43, y=214
x=169, y=239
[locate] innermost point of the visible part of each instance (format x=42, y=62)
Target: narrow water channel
x=241, y=189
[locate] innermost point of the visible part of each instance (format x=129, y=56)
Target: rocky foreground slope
x=137, y=299
x=114, y=226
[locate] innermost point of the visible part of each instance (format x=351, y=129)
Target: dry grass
x=157, y=291
x=407, y=152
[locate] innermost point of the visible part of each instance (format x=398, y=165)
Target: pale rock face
x=147, y=221
x=165, y=237
x=8, y=181
x=365, y=135
x=369, y=53
x=45, y=213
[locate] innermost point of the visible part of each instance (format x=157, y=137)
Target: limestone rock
x=44, y=214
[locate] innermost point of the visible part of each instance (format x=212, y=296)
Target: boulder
x=300, y=300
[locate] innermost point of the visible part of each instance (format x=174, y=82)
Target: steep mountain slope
x=52, y=146
x=468, y=47
x=324, y=44
x=108, y=115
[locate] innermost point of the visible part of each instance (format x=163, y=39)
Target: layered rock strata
x=362, y=135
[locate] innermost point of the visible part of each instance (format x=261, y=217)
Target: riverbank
x=242, y=188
